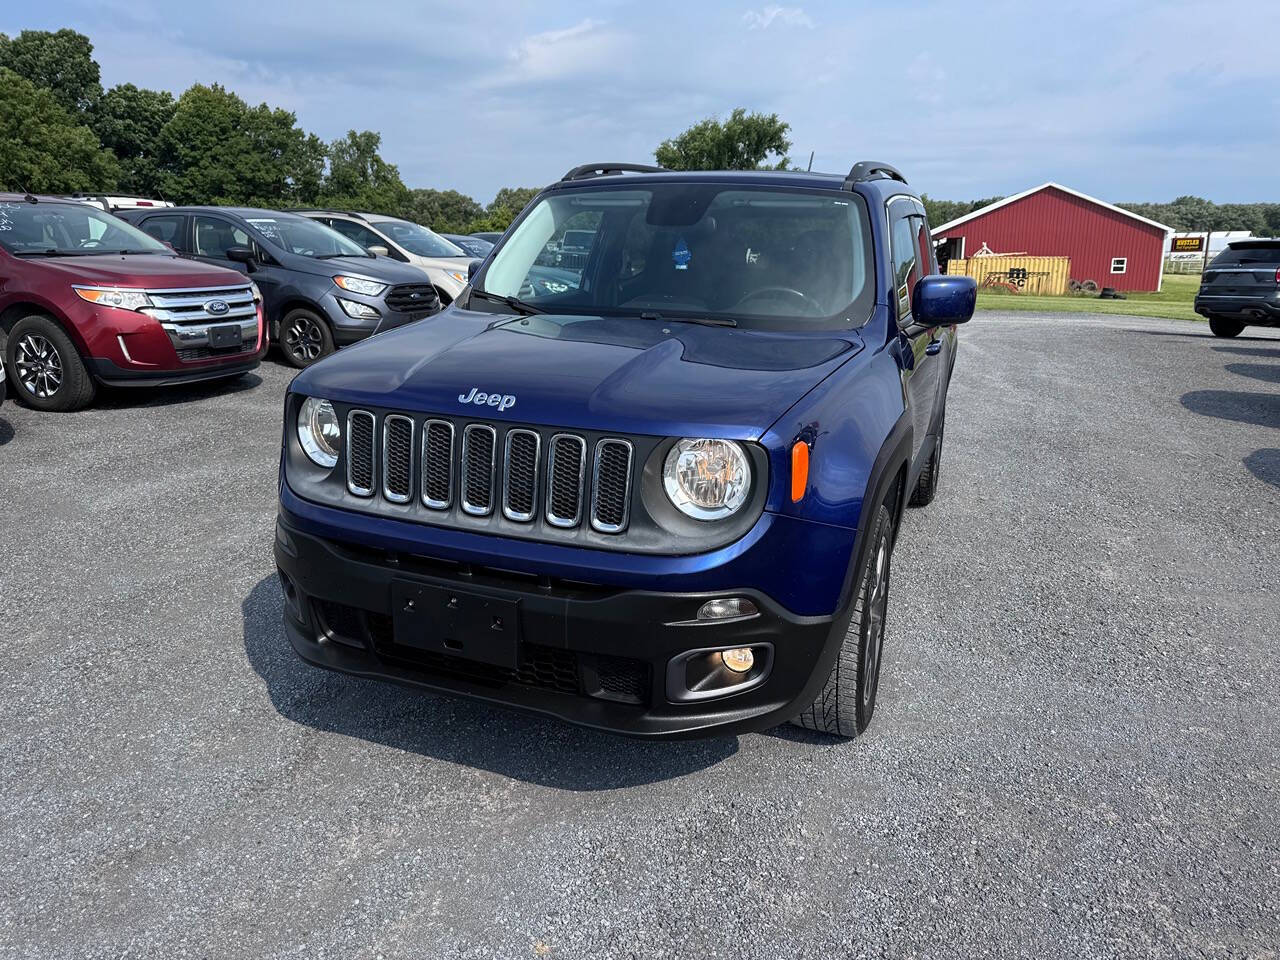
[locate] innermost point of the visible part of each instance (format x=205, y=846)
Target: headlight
x=257, y=294
x=707, y=479
x=319, y=431
x=357, y=311
x=114, y=297
x=370, y=288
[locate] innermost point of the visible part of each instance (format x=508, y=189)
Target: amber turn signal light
x=799, y=470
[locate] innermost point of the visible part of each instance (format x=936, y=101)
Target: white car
x=444, y=262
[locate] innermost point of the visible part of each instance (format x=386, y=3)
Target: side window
x=215, y=236
x=906, y=269
x=361, y=235
x=167, y=229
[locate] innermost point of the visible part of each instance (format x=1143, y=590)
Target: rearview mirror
x=378, y=250
x=939, y=300
x=473, y=268
x=239, y=254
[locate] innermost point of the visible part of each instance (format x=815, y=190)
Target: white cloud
x=582, y=48
x=787, y=16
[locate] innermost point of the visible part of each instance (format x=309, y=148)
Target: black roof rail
x=606, y=169
x=345, y=213
x=871, y=170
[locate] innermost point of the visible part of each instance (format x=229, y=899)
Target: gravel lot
x=1076, y=752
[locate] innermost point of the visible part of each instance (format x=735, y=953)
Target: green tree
x=61, y=62
x=743, y=142
x=217, y=149
x=358, y=178
x=446, y=211
x=128, y=120
x=43, y=148
x=508, y=204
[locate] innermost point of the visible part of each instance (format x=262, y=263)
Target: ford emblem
x=216, y=307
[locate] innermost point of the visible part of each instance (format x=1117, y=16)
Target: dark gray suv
x=320, y=290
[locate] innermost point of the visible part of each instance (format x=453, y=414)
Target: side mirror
x=378, y=250
x=940, y=300
x=473, y=268
x=240, y=254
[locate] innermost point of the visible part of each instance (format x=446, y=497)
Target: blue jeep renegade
x=657, y=496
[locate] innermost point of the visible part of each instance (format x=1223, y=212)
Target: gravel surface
x=1076, y=752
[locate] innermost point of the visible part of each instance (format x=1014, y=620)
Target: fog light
x=729, y=608
x=739, y=659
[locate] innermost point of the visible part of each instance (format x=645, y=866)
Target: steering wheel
x=772, y=292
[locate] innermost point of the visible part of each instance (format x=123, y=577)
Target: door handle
x=934, y=348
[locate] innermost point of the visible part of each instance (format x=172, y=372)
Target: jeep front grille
x=566, y=467
x=361, y=457
x=521, y=474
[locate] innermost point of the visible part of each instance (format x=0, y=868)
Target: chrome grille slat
x=520, y=474
x=611, y=485
x=566, y=470
x=362, y=457
x=479, y=462
x=397, y=458
x=437, y=464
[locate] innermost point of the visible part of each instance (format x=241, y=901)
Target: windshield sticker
x=681, y=256
x=268, y=228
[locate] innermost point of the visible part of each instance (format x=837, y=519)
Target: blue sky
x=1130, y=100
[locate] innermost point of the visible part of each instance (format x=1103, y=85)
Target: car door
x=919, y=348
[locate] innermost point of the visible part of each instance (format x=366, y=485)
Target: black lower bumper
x=587, y=654
x=109, y=373
x=1252, y=310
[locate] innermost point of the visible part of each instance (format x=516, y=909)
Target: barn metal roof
x=981, y=211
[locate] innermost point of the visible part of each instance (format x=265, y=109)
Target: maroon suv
x=86, y=298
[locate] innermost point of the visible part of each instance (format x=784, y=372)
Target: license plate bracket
x=458, y=623
x=224, y=336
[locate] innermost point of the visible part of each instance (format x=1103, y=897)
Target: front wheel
x=46, y=370
x=304, y=338
x=848, y=699
x=1222, y=327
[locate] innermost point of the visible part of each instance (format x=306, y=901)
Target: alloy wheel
x=304, y=339
x=877, y=604
x=38, y=366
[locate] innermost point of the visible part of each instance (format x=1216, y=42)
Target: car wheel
x=927, y=485
x=1222, y=327
x=45, y=368
x=304, y=338
x=848, y=699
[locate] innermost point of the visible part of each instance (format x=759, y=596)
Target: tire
x=848, y=699
x=927, y=485
x=1222, y=327
x=304, y=338
x=45, y=369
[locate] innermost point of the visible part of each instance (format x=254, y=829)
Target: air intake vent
x=611, y=486
x=567, y=466
x=397, y=458
x=478, y=461
x=520, y=475
x=437, y=464
x=360, y=453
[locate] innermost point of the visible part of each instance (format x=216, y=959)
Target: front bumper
x=589, y=654
x=348, y=329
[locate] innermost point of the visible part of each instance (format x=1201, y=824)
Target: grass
x=1173, y=302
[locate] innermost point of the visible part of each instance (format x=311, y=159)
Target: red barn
x=1111, y=246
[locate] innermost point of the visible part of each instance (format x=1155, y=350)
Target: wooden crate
x=1038, y=275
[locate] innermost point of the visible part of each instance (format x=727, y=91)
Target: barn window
x=1119, y=264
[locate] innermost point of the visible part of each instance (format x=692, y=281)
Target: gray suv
x=320, y=290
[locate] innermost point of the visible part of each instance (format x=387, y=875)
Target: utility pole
x=1204, y=264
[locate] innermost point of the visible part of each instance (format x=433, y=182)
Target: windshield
x=306, y=237
x=69, y=229
x=1244, y=254
x=418, y=239
x=472, y=246
x=766, y=258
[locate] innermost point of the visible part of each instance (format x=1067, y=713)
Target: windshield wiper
x=51, y=253
x=704, y=321
x=519, y=306
x=331, y=256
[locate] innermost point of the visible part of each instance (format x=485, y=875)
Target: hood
x=375, y=268
x=605, y=373
x=138, y=270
